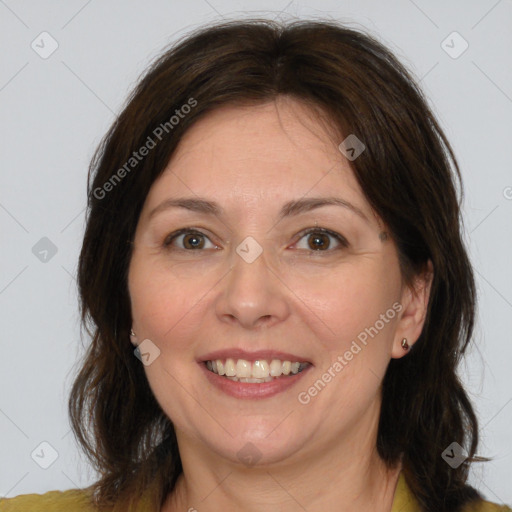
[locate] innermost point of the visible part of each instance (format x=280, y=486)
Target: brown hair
x=408, y=173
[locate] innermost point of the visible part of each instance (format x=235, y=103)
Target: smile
x=241, y=370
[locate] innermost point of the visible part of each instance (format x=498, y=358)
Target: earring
x=133, y=337
x=405, y=345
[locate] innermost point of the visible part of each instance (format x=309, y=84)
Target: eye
x=189, y=238
x=318, y=239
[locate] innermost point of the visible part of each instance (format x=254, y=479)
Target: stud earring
x=405, y=345
x=133, y=337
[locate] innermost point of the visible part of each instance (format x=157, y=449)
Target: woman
x=276, y=287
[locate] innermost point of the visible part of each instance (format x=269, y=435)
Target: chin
x=259, y=447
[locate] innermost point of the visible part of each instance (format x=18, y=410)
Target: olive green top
x=76, y=500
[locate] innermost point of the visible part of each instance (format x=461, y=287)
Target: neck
x=347, y=476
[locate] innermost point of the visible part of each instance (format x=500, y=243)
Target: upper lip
x=236, y=353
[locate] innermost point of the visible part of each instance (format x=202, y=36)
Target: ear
x=133, y=338
x=414, y=303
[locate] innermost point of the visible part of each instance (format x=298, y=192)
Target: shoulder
x=404, y=501
x=74, y=500
x=486, y=506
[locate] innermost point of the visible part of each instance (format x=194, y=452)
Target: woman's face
x=232, y=275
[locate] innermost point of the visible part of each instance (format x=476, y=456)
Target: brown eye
x=319, y=240
x=193, y=241
x=187, y=240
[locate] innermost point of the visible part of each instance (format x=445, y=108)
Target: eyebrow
x=291, y=208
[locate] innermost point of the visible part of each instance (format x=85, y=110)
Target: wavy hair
x=410, y=177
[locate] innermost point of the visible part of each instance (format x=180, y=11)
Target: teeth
x=243, y=368
x=260, y=369
x=229, y=368
x=275, y=368
x=257, y=371
x=251, y=380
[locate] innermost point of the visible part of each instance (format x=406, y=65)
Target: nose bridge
x=250, y=261
x=250, y=272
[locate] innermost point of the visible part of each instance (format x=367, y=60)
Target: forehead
x=260, y=125
x=276, y=151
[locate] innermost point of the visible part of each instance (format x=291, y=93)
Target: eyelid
x=184, y=231
x=343, y=243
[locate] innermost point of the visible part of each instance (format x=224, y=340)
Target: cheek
x=166, y=305
x=152, y=298
x=358, y=309
x=350, y=300
x=164, y=310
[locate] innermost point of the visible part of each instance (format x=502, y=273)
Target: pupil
x=317, y=241
x=193, y=241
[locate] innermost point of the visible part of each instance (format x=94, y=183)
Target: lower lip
x=250, y=390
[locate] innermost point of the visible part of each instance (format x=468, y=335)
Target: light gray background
x=54, y=111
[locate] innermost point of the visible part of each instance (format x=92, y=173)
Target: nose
x=253, y=294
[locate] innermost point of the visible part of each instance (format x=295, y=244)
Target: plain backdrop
x=54, y=109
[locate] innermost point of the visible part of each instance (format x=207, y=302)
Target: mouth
x=252, y=375
x=257, y=371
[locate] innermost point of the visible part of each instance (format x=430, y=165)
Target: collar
x=404, y=500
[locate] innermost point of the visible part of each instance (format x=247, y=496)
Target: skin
x=292, y=298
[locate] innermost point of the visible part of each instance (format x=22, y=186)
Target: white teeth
x=229, y=368
x=257, y=371
x=260, y=369
x=243, y=368
x=252, y=381
x=275, y=368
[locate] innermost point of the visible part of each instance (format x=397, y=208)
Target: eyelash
x=189, y=231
